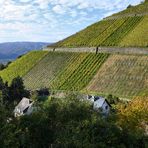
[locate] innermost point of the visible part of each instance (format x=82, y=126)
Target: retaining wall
x=101, y=49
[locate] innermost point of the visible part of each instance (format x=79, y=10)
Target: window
x=106, y=107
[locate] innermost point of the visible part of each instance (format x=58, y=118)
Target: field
x=42, y=74
x=64, y=71
x=120, y=33
x=79, y=73
x=109, y=33
x=122, y=75
x=87, y=35
x=22, y=65
x=138, y=36
x=68, y=70
x=116, y=30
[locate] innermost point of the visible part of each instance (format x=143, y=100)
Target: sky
x=52, y=20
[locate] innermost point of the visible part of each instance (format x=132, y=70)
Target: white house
x=25, y=107
x=100, y=104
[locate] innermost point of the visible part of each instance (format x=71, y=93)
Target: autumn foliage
x=134, y=115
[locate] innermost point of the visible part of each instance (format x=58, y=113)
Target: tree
x=4, y=89
x=6, y=94
x=1, y=83
x=8, y=129
x=8, y=63
x=112, y=99
x=133, y=117
x=17, y=89
x=2, y=66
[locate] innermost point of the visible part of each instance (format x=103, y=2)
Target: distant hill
x=11, y=50
x=128, y=28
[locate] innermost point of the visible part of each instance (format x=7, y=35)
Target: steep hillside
x=118, y=71
x=138, y=36
x=79, y=72
x=64, y=71
x=114, y=31
x=122, y=75
x=41, y=75
x=22, y=65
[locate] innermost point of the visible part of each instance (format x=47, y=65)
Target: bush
x=2, y=66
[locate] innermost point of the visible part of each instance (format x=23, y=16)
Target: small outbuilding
x=100, y=104
x=25, y=107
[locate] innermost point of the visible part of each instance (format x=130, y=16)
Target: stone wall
x=102, y=49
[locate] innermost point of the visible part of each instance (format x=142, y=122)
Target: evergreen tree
x=1, y=83
x=2, y=66
x=6, y=93
x=17, y=89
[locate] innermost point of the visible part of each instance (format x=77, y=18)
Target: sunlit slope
x=122, y=75
x=79, y=72
x=84, y=37
x=138, y=36
x=110, y=33
x=22, y=65
x=114, y=30
x=64, y=71
x=41, y=75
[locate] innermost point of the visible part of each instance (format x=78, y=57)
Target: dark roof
x=96, y=98
x=108, y=102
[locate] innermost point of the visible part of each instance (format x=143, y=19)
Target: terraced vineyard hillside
x=22, y=65
x=114, y=31
x=64, y=71
x=118, y=74
x=138, y=36
x=122, y=75
x=42, y=74
x=79, y=72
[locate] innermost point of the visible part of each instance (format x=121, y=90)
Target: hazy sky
x=52, y=20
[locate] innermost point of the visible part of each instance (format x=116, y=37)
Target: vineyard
x=42, y=74
x=68, y=70
x=113, y=32
x=138, y=36
x=108, y=32
x=121, y=32
x=122, y=75
x=78, y=76
x=64, y=71
x=22, y=65
x=83, y=37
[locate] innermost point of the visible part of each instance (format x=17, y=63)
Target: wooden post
x=97, y=50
